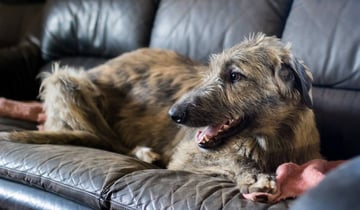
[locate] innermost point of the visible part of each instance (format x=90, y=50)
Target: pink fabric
x=292, y=180
x=30, y=111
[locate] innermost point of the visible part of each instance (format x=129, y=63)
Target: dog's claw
x=257, y=183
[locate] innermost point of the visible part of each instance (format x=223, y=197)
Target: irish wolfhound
x=241, y=116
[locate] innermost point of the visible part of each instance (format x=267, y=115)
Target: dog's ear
x=295, y=74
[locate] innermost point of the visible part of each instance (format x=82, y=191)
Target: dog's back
x=139, y=88
x=116, y=106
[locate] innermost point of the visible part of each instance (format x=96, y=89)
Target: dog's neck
x=272, y=139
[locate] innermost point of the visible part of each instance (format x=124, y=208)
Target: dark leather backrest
x=99, y=28
x=198, y=28
x=18, y=20
x=326, y=35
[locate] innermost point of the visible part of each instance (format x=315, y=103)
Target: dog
x=240, y=117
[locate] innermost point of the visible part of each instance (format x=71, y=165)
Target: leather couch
x=85, y=33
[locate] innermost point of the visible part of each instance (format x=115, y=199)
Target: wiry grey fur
x=256, y=93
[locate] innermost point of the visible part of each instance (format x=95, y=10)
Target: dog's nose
x=178, y=114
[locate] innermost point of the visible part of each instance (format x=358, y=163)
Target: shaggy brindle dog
x=240, y=117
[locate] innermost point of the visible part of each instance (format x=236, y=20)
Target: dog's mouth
x=214, y=135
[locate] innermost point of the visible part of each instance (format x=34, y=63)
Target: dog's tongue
x=209, y=132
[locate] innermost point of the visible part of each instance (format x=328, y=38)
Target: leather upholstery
x=17, y=18
x=87, y=32
x=105, y=180
x=337, y=113
x=14, y=195
x=198, y=28
x=8, y=124
x=111, y=28
x=329, y=43
x=20, y=63
x=20, y=57
x=79, y=174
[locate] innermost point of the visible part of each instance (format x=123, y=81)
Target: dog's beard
x=214, y=135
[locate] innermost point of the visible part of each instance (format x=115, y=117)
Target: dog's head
x=256, y=78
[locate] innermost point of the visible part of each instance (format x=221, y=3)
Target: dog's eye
x=235, y=76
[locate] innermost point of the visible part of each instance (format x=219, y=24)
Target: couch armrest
x=12, y=196
x=105, y=180
x=80, y=174
x=19, y=66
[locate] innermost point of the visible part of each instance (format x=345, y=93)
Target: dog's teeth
x=206, y=138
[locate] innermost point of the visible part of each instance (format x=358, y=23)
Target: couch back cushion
x=111, y=28
x=325, y=34
x=17, y=19
x=198, y=28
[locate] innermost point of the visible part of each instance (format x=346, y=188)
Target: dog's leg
x=254, y=181
x=73, y=108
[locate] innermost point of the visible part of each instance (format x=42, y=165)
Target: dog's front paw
x=249, y=183
x=145, y=154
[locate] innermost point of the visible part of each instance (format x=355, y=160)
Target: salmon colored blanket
x=293, y=180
